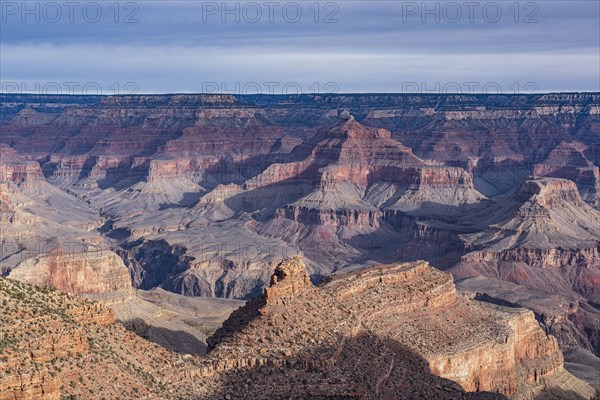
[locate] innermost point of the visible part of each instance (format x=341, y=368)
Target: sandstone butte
x=387, y=332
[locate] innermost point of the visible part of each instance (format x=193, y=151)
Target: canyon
x=295, y=340
x=174, y=210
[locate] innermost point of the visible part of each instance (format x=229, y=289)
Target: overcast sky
x=302, y=46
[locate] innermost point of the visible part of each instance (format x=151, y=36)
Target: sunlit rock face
x=204, y=195
x=87, y=273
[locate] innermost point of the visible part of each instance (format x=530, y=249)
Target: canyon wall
x=203, y=195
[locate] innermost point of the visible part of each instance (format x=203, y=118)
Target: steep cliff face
x=17, y=169
x=505, y=356
x=568, y=160
x=26, y=173
x=95, y=271
x=575, y=324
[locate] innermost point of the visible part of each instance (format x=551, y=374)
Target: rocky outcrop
x=169, y=168
x=94, y=271
x=573, y=323
x=23, y=173
x=549, y=193
x=32, y=340
x=289, y=279
x=482, y=348
x=420, y=298
x=39, y=385
x=355, y=218
x=568, y=160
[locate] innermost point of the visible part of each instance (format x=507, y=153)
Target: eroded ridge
x=407, y=312
x=392, y=331
x=482, y=347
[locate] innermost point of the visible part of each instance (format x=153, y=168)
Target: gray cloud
x=378, y=46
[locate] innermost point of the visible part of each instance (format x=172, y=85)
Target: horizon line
x=294, y=94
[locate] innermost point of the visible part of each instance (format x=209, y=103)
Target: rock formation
x=203, y=195
x=91, y=272
x=296, y=340
x=568, y=160
x=548, y=239
x=412, y=307
x=575, y=324
x=344, y=178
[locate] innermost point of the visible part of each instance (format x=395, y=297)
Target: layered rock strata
x=458, y=339
x=549, y=240
x=92, y=272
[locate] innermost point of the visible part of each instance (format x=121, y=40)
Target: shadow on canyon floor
x=177, y=341
x=189, y=199
x=362, y=367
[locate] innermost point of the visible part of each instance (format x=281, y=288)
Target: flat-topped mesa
x=289, y=279
x=550, y=192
